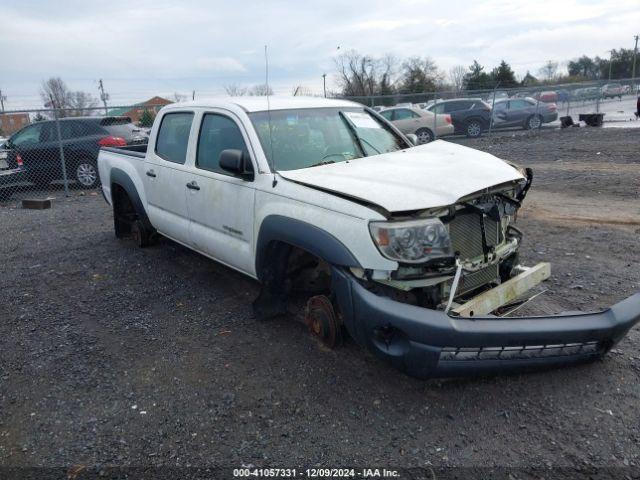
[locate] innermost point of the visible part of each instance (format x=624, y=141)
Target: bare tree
x=81, y=104
x=260, y=90
x=550, y=70
x=357, y=74
x=55, y=94
x=456, y=76
x=178, y=97
x=234, y=90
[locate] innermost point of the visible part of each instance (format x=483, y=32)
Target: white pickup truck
x=411, y=250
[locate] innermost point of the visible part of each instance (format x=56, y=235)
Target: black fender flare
x=318, y=242
x=120, y=177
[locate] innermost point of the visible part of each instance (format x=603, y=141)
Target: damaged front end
x=435, y=314
x=448, y=255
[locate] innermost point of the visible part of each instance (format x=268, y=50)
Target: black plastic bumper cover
x=429, y=343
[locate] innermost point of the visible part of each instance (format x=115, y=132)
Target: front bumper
x=429, y=343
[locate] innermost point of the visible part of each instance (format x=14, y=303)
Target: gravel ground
x=112, y=355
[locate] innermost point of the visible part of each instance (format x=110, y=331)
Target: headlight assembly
x=414, y=241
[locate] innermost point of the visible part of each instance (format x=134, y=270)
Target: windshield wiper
x=323, y=162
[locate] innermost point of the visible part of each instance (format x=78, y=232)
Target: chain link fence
x=483, y=112
x=53, y=152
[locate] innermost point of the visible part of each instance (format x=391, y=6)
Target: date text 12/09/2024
x=316, y=473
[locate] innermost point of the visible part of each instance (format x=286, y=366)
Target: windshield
x=303, y=138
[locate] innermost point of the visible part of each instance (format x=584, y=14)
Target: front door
x=166, y=176
x=220, y=204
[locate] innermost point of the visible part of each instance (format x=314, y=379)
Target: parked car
x=38, y=147
x=397, y=240
x=548, y=96
x=612, y=90
x=587, y=93
x=419, y=122
x=470, y=116
x=523, y=112
x=11, y=172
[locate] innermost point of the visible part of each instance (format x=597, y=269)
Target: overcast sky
x=142, y=48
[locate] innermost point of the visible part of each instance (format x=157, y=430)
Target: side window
x=499, y=106
x=403, y=114
x=217, y=133
x=387, y=114
x=518, y=104
x=28, y=136
x=173, y=137
x=70, y=129
x=438, y=108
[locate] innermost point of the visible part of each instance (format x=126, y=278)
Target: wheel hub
x=322, y=321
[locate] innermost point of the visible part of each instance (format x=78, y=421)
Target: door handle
x=151, y=173
x=193, y=185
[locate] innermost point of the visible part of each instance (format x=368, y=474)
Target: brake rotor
x=322, y=321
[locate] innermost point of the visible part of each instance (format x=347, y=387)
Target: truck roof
x=259, y=104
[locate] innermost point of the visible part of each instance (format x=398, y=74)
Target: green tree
x=146, y=119
x=503, y=76
x=585, y=67
x=477, y=78
x=529, y=80
x=419, y=75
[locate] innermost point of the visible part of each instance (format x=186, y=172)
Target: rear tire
x=140, y=234
x=86, y=174
x=473, y=128
x=424, y=136
x=534, y=122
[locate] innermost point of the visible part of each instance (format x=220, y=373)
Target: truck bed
x=132, y=150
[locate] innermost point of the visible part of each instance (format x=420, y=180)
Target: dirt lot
x=112, y=355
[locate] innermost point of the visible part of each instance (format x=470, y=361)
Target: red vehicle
x=547, y=97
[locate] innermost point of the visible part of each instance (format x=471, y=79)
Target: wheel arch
x=278, y=231
x=120, y=180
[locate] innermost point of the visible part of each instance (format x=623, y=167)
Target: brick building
x=12, y=122
x=153, y=105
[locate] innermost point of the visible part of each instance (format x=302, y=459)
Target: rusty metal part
x=322, y=321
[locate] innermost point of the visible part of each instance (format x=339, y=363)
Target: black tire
x=85, y=173
x=424, y=136
x=140, y=234
x=473, y=128
x=534, y=122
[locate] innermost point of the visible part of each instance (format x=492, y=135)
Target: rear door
x=39, y=150
x=519, y=111
x=406, y=120
x=221, y=205
x=166, y=176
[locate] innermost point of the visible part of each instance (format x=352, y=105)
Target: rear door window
x=173, y=136
x=387, y=114
x=404, y=114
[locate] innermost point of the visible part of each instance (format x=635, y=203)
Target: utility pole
x=103, y=96
x=2, y=99
x=324, y=84
x=193, y=95
x=635, y=52
x=610, y=62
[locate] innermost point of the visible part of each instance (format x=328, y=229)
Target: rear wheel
x=474, y=128
x=140, y=234
x=533, y=122
x=424, y=135
x=86, y=174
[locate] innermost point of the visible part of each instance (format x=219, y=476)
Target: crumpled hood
x=432, y=175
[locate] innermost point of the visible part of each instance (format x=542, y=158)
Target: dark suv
x=470, y=116
x=37, y=148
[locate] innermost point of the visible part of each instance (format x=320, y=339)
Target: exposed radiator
x=466, y=234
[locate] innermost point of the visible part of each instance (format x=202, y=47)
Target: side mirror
x=412, y=137
x=235, y=162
